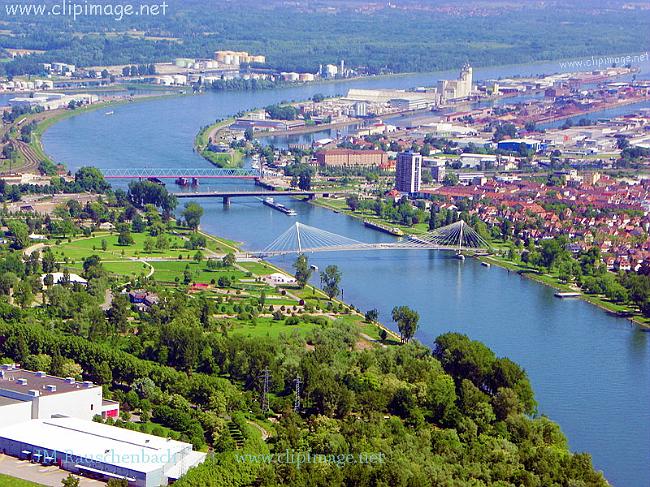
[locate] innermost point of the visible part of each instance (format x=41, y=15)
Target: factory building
x=456, y=89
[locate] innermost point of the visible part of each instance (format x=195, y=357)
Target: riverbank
x=45, y=120
x=234, y=158
x=369, y=329
x=618, y=310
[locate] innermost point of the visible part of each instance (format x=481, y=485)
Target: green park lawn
x=167, y=271
x=267, y=327
x=7, y=481
x=258, y=268
x=220, y=245
x=78, y=249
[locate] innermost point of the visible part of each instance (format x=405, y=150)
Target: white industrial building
x=48, y=420
x=53, y=101
x=456, y=89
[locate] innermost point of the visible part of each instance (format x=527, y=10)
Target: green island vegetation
x=207, y=144
x=299, y=38
x=181, y=333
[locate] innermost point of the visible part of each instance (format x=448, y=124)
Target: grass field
x=221, y=245
x=77, y=249
x=267, y=327
x=224, y=159
x=258, y=268
x=7, y=481
x=167, y=271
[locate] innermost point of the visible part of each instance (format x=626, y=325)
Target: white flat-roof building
x=279, y=278
x=26, y=395
x=53, y=101
x=48, y=420
x=96, y=449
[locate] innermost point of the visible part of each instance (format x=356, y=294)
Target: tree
x=229, y=259
x=331, y=279
x=162, y=242
x=118, y=482
x=118, y=313
x=137, y=223
x=352, y=201
x=70, y=481
x=20, y=233
x=57, y=363
x=7, y=281
x=92, y=267
x=304, y=180
x=198, y=256
x=192, y=215
x=149, y=245
x=23, y=295
x=303, y=270
x=124, y=238
x=91, y=179
x=372, y=315
x=407, y=322
x=450, y=179
x=48, y=261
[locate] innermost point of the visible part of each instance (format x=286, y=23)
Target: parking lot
x=35, y=472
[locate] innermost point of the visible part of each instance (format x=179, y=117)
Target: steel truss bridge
x=174, y=173
x=299, y=238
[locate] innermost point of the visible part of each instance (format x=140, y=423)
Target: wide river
x=590, y=371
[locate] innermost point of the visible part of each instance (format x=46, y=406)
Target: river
x=590, y=371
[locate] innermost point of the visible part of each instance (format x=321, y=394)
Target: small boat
x=567, y=295
x=313, y=267
x=460, y=256
x=182, y=181
x=109, y=113
x=486, y=264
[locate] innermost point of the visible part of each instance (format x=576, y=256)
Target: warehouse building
x=48, y=420
x=100, y=451
x=514, y=145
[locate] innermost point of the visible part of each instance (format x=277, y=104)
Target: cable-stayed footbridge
x=300, y=238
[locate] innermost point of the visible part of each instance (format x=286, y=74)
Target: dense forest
x=420, y=38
